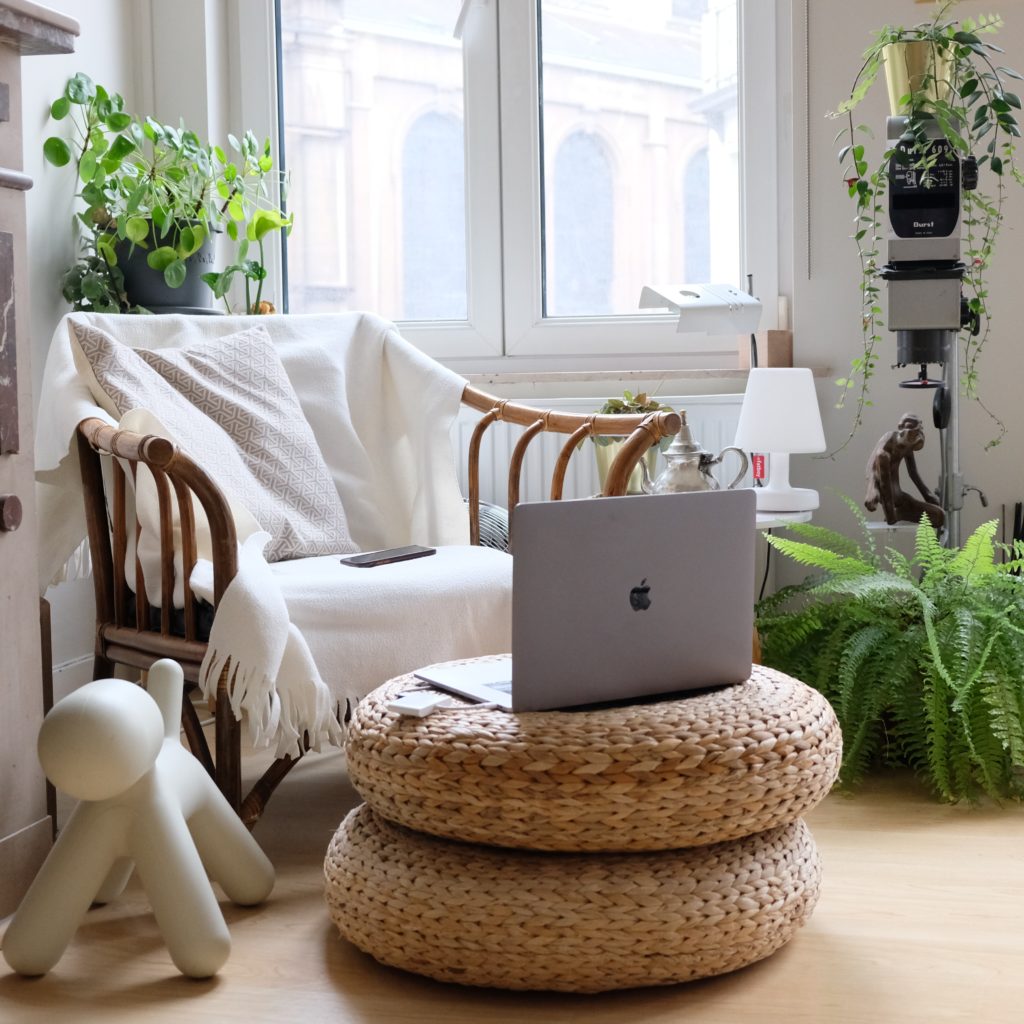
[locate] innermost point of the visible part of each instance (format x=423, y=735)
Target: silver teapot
x=689, y=466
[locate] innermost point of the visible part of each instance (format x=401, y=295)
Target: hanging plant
x=951, y=78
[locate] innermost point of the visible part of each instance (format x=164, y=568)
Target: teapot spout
x=645, y=477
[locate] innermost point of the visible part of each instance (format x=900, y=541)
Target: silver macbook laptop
x=621, y=597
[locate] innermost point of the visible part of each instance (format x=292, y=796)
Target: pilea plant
x=920, y=658
x=159, y=188
x=964, y=92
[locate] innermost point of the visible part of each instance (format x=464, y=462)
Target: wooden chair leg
x=228, y=745
x=46, y=641
x=195, y=737
x=257, y=798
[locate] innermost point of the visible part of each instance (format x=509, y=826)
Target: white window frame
x=505, y=328
x=528, y=332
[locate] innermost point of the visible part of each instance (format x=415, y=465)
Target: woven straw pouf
x=662, y=775
x=568, y=922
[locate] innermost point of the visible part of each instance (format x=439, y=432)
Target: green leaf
x=235, y=209
x=105, y=247
x=80, y=89
x=232, y=229
x=119, y=149
x=118, y=121
x=59, y=108
x=265, y=221
x=87, y=166
x=162, y=257
x=186, y=242
x=135, y=198
x=137, y=229
x=175, y=274
x=57, y=151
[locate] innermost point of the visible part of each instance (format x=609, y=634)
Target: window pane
x=373, y=140
x=639, y=138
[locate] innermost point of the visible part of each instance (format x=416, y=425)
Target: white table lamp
x=780, y=417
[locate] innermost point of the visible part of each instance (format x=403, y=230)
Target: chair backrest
x=641, y=432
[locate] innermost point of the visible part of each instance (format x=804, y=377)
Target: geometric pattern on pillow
x=230, y=405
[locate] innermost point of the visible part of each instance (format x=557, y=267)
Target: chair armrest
x=177, y=478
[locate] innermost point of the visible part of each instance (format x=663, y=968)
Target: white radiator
x=712, y=420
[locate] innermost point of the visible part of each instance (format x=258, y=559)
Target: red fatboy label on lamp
x=757, y=462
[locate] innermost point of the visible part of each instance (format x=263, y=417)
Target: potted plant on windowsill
x=941, y=74
x=155, y=196
x=607, y=448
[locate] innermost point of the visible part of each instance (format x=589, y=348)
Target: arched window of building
x=583, y=232
x=697, y=219
x=434, y=220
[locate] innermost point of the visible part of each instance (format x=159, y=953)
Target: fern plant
x=922, y=658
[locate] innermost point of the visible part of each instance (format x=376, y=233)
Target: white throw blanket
x=381, y=412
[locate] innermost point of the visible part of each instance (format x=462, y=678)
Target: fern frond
x=928, y=553
x=899, y=564
x=978, y=555
x=870, y=547
x=820, y=558
x=830, y=540
x=936, y=708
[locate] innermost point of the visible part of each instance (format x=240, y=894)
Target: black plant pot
x=146, y=287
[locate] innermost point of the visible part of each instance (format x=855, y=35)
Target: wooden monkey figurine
x=147, y=805
x=883, y=473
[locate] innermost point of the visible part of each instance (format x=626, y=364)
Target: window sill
x=503, y=379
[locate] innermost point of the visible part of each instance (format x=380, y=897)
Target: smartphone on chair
x=368, y=559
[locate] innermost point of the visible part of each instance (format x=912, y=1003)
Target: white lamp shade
x=780, y=412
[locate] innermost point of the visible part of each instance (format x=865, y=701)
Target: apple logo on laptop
x=639, y=597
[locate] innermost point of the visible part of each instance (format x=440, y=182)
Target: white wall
x=826, y=274
x=106, y=51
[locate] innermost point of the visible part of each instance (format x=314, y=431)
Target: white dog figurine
x=146, y=803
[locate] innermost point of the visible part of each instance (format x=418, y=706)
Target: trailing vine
x=976, y=116
x=921, y=658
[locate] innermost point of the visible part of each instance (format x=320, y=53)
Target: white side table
x=773, y=520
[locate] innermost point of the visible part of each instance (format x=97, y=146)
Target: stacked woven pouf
x=588, y=850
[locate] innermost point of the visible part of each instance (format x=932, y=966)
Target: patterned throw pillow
x=230, y=405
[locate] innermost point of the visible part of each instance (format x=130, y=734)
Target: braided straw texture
x=569, y=922
x=713, y=766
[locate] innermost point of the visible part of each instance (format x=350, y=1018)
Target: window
x=697, y=218
x=433, y=221
x=580, y=246
x=509, y=193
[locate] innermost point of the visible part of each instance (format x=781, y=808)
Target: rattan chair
x=129, y=632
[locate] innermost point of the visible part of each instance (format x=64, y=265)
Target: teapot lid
x=684, y=443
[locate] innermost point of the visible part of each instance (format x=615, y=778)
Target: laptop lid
x=628, y=597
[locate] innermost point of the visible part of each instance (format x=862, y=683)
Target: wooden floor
x=921, y=920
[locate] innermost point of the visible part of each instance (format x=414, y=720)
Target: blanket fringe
x=297, y=714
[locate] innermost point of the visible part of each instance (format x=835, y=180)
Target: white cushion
x=367, y=625
x=228, y=402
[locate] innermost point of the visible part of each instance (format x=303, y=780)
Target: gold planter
x=917, y=69
x=605, y=455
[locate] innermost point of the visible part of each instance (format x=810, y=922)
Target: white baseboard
x=70, y=675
